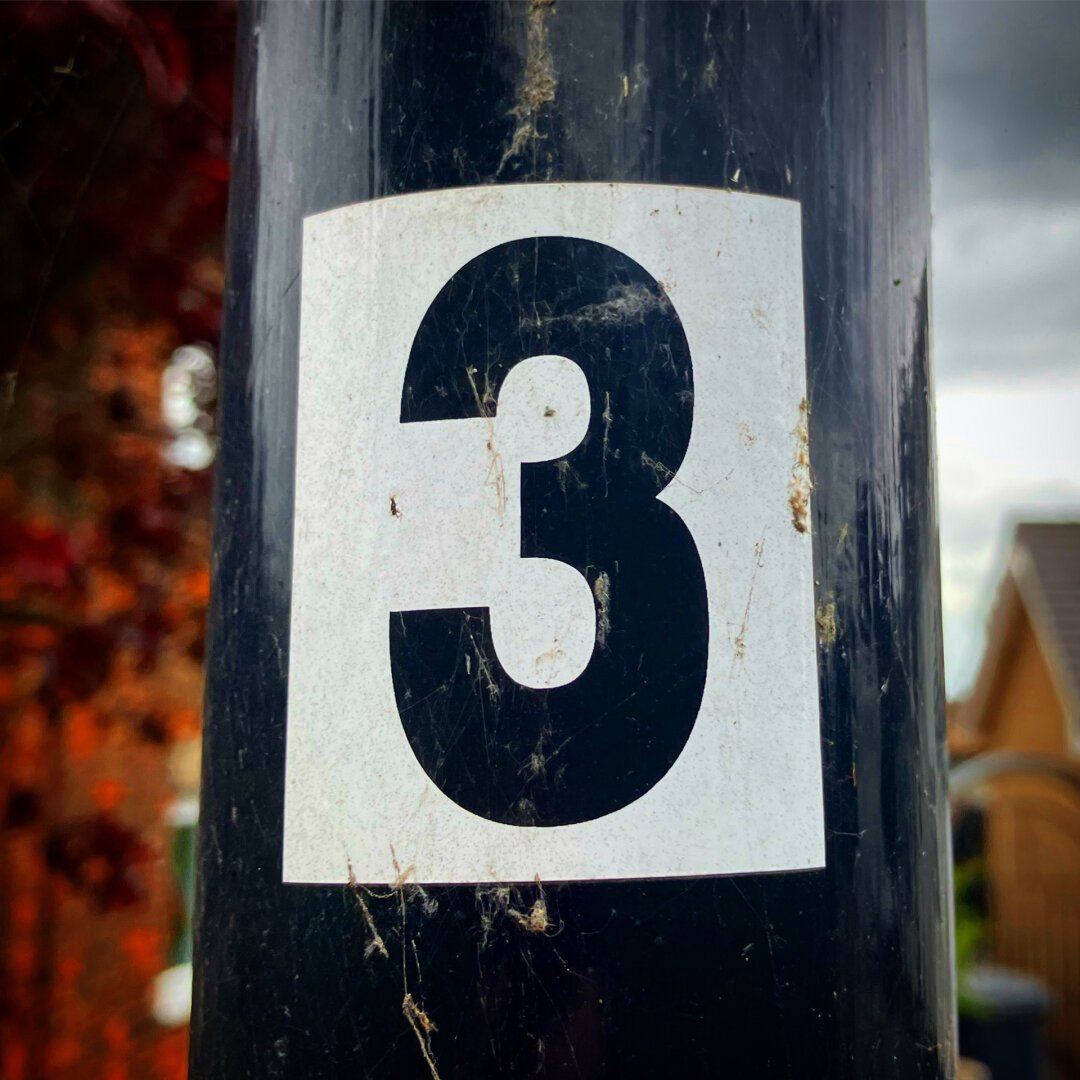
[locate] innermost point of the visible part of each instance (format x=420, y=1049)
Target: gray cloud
x=1005, y=97
x=1005, y=136
x=1007, y=290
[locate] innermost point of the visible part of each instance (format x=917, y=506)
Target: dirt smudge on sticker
x=801, y=484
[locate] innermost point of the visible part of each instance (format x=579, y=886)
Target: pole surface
x=840, y=972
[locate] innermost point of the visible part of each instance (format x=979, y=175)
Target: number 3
x=558, y=755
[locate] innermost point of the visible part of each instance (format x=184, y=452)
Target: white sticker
x=619, y=366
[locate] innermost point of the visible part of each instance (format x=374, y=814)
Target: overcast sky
x=1005, y=137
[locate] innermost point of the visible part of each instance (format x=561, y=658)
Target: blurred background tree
x=114, y=121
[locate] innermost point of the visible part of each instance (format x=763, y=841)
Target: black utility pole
x=574, y=699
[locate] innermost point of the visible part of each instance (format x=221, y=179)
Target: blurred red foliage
x=114, y=124
x=114, y=121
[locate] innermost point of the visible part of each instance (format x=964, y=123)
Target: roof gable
x=1048, y=574
x=1042, y=579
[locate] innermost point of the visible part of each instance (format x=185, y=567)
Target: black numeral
x=571, y=753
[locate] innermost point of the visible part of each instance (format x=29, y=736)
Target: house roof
x=1043, y=578
x=1051, y=554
